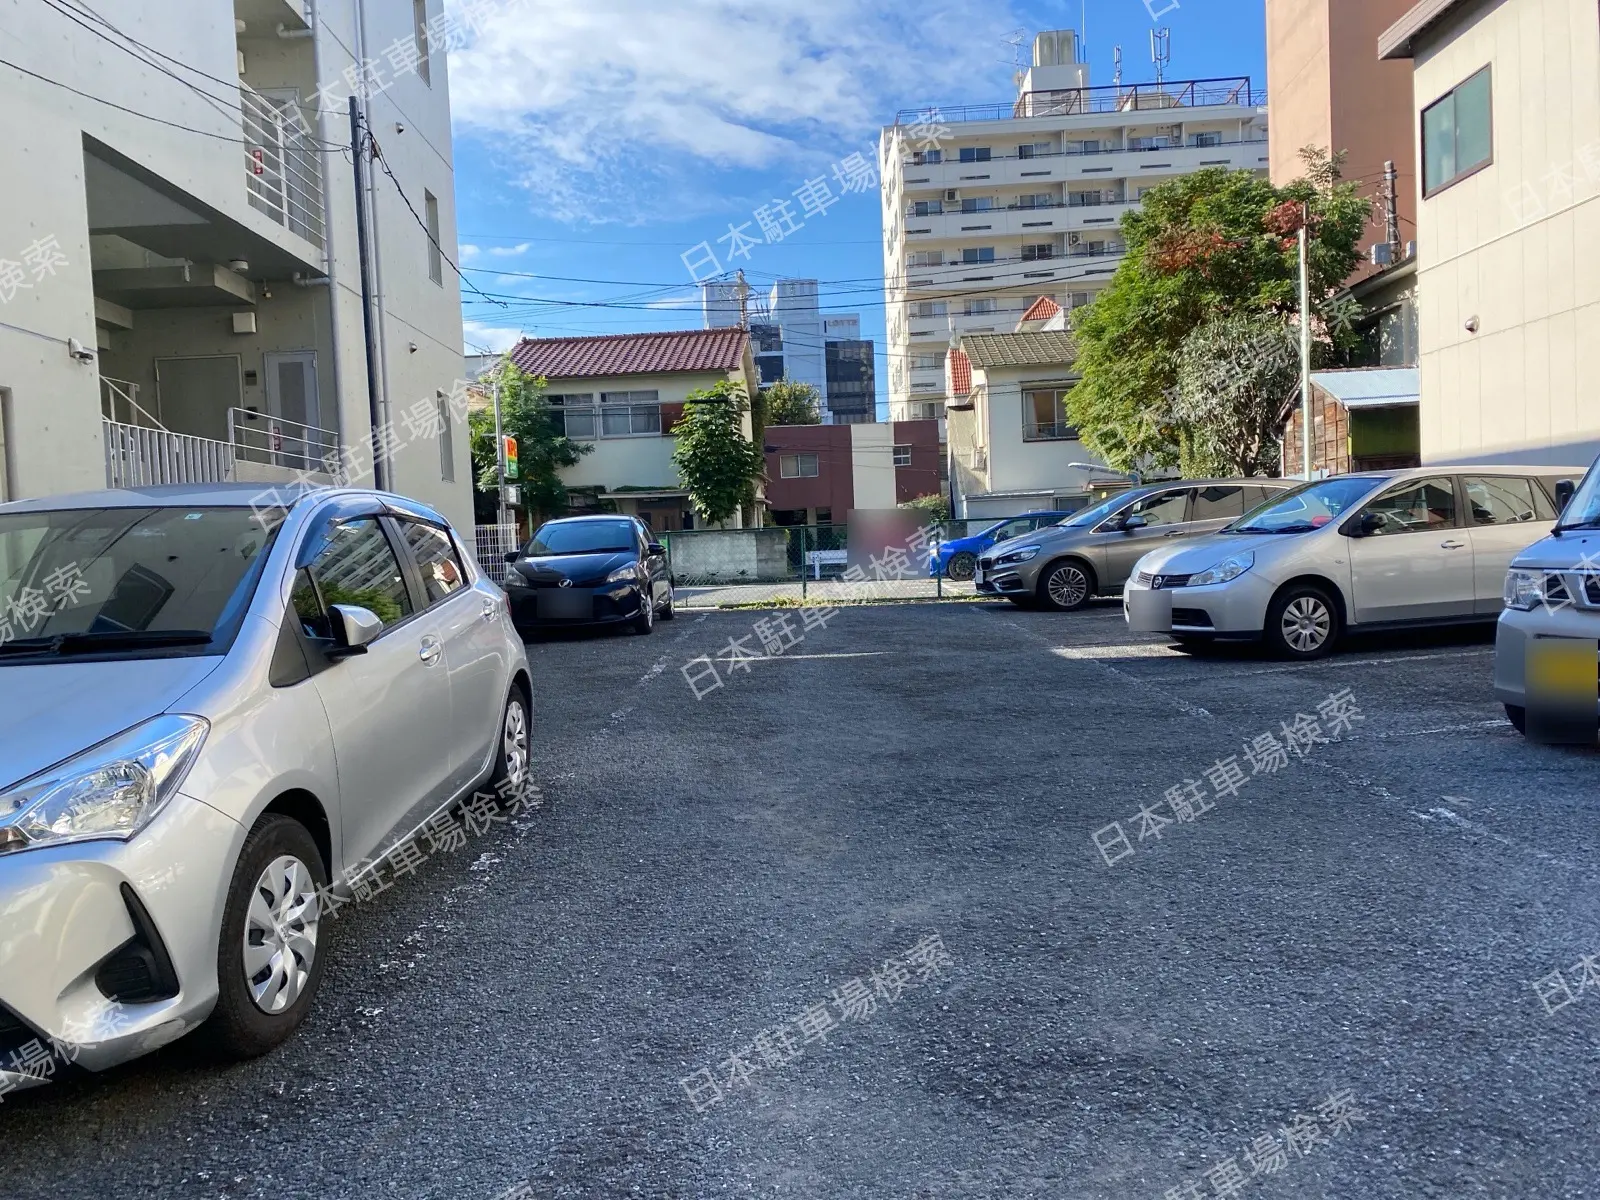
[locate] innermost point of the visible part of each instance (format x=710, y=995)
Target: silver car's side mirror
x=354, y=628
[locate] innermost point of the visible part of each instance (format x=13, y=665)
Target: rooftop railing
x=1112, y=98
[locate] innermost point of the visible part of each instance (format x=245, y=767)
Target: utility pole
x=1391, y=205
x=1305, y=346
x=742, y=291
x=380, y=468
x=499, y=451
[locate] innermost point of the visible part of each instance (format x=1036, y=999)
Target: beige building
x=1507, y=99
x=1329, y=90
x=179, y=292
x=987, y=207
x=622, y=394
x=1012, y=449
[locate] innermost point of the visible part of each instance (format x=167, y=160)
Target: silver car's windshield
x=1310, y=506
x=1583, y=510
x=126, y=579
x=1092, y=516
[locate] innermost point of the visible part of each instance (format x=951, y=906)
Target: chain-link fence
x=491, y=544
x=819, y=564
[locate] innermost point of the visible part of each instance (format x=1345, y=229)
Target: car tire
x=669, y=611
x=1518, y=716
x=1302, y=623
x=961, y=567
x=274, y=904
x=1066, y=586
x=513, y=753
x=645, y=622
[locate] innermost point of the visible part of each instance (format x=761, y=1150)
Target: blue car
x=958, y=558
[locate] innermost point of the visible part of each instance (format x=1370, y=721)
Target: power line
x=377, y=157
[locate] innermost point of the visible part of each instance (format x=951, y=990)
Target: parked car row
x=1308, y=563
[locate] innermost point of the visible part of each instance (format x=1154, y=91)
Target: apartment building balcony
x=282, y=166
x=1042, y=170
x=1036, y=223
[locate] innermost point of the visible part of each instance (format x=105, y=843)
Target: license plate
x=977, y=577
x=559, y=604
x=1147, y=611
x=1563, y=679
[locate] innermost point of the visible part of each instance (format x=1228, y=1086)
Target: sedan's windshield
x=83, y=579
x=1310, y=506
x=1583, y=510
x=581, y=537
x=1092, y=516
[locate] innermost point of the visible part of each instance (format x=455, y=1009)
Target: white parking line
x=1332, y=661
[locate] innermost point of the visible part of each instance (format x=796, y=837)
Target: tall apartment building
x=986, y=208
x=179, y=292
x=793, y=340
x=1330, y=90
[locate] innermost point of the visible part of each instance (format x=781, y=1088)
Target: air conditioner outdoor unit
x=1382, y=254
x=1073, y=239
x=952, y=194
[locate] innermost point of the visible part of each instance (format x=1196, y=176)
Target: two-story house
x=623, y=393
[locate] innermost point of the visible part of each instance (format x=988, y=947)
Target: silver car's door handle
x=1173, y=533
x=489, y=609
x=430, y=651
x=1452, y=544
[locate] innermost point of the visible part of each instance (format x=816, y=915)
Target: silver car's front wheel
x=280, y=934
x=1302, y=623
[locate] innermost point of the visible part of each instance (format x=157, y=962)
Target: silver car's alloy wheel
x=1306, y=624
x=1067, y=586
x=280, y=934
x=514, y=744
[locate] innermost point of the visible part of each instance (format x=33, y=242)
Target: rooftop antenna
x=1083, y=32
x=1116, y=60
x=1161, y=51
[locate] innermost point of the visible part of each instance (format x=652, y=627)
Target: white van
x=1547, y=645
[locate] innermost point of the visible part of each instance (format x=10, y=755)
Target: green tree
x=790, y=402
x=1207, y=245
x=717, y=463
x=542, y=449
x=934, y=507
x=1234, y=373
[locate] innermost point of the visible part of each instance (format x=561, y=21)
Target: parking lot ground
x=1368, y=920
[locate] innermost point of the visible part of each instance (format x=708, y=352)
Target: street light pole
x=1305, y=352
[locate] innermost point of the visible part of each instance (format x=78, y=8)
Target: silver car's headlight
x=1231, y=567
x=625, y=571
x=112, y=790
x=1020, y=555
x=1524, y=589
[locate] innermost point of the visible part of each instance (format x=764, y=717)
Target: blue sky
x=597, y=143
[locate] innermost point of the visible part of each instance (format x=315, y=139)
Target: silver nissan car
x=1385, y=549
x=210, y=709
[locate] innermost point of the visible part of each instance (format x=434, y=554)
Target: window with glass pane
x=1503, y=500
x=354, y=565
x=1162, y=508
x=1045, y=416
x=436, y=557
x=797, y=466
x=978, y=254
x=1457, y=133
x=902, y=456
x=974, y=154
x=1218, y=502
x=1420, y=507
x=574, y=415
x=628, y=414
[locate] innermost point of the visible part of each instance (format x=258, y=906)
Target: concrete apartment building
x=1330, y=91
x=986, y=208
x=179, y=294
x=1507, y=102
x=818, y=474
x=622, y=394
x=793, y=339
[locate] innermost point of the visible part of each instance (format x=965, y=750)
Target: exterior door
x=1166, y=512
x=1508, y=514
x=390, y=707
x=1416, y=564
x=467, y=622
x=293, y=409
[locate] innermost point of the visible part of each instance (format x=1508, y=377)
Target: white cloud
x=480, y=338
x=692, y=301
x=510, y=251
x=596, y=101
x=466, y=251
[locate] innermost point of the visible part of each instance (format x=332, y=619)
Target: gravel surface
x=518, y=1017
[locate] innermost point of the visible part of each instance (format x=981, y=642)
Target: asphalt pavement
x=873, y=917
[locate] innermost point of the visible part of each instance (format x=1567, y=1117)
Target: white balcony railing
x=283, y=170
x=278, y=442
x=139, y=456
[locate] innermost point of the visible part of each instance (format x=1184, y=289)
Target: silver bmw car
x=214, y=716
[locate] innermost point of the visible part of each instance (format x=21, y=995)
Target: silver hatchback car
x=208, y=711
x=1091, y=553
